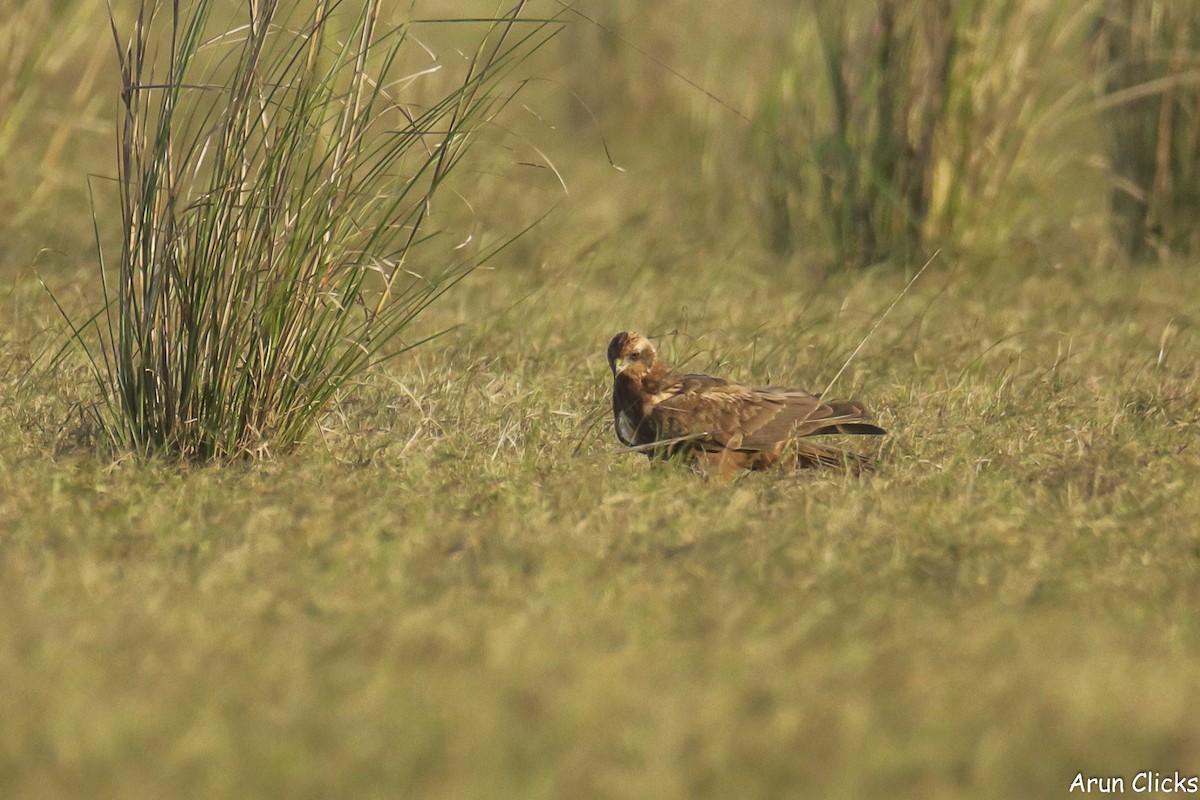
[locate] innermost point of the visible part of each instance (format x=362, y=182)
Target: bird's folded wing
x=723, y=414
x=771, y=417
x=701, y=406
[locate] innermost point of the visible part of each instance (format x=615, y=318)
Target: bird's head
x=631, y=352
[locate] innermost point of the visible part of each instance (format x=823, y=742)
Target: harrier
x=720, y=424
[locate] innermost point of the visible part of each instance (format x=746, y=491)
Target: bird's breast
x=626, y=428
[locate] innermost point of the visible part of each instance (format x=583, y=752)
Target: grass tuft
x=276, y=184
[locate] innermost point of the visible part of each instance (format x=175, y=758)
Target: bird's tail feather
x=809, y=454
x=850, y=416
x=859, y=428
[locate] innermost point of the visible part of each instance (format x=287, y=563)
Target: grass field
x=460, y=587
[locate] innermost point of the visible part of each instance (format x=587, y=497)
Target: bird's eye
x=635, y=355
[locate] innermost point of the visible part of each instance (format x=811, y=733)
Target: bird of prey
x=721, y=425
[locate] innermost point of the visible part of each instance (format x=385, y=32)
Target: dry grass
x=461, y=591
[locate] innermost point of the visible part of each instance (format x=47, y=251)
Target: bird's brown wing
x=722, y=414
x=703, y=407
x=783, y=414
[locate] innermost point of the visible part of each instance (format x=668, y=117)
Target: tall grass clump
x=1148, y=74
x=896, y=126
x=885, y=71
x=277, y=176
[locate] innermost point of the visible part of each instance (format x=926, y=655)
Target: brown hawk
x=720, y=424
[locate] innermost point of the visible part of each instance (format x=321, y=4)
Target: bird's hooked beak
x=620, y=364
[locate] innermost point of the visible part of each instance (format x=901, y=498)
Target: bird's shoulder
x=701, y=387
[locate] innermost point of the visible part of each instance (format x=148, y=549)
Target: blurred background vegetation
x=828, y=133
